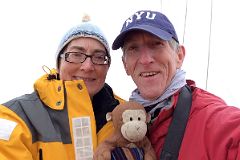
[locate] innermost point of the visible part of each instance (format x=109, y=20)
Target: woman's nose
x=87, y=64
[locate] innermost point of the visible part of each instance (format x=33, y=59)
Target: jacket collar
x=49, y=86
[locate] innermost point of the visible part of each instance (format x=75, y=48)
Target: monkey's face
x=134, y=126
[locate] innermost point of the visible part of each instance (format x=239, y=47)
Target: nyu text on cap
x=153, y=22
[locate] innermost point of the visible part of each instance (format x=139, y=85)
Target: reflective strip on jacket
x=60, y=125
x=212, y=131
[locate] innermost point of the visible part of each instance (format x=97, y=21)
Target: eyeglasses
x=99, y=58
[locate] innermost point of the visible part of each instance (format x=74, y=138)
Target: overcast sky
x=31, y=30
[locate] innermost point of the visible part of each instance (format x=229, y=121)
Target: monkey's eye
x=139, y=118
x=131, y=118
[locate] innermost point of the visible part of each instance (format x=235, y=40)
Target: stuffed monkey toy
x=130, y=128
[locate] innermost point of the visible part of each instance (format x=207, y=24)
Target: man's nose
x=145, y=55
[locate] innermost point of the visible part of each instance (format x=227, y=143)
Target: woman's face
x=93, y=75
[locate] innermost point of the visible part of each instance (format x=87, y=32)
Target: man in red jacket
x=153, y=57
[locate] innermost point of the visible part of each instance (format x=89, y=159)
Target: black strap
x=177, y=127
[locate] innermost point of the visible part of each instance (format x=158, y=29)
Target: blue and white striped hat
x=85, y=29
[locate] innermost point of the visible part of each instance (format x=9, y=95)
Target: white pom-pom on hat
x=86, y=18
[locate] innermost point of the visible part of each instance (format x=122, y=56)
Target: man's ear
x=180, y=56
x=109, y=116
x=125, y=65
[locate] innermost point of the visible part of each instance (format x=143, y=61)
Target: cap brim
x=118, y=42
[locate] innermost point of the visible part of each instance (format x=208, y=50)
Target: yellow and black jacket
x=55, y=122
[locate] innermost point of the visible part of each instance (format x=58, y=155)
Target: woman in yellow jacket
x=64, y=118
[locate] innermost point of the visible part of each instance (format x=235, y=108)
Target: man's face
x=151, y=62
x=93, y=75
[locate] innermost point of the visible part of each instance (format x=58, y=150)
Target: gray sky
x=31, y=30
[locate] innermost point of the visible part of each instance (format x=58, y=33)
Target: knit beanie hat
x=85, y=29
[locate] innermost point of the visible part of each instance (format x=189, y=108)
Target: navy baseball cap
x=153, y=22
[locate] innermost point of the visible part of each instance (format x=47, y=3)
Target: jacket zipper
x=40, y=154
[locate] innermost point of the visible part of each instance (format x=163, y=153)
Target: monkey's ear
x=148, y=117
x=109, y=116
